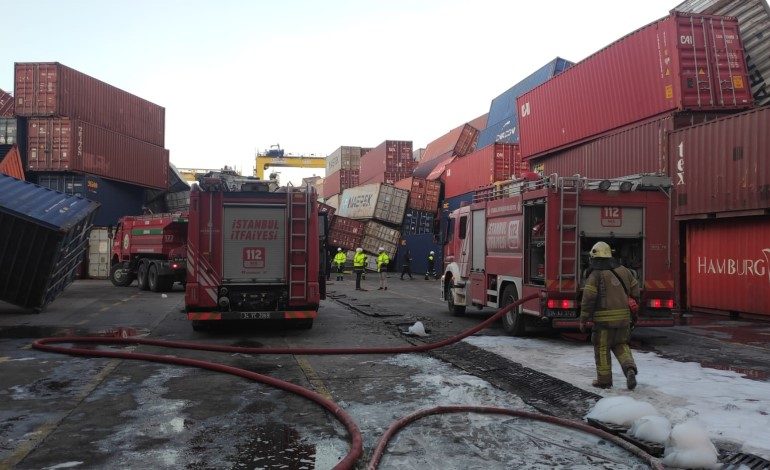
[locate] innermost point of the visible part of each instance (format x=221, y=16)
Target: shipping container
x=8, y=130
x=99, y=246
x=344, y=158
x=754, y=26
x=43, y=239
x=10, y=161
x=6, y=104
x=417, y=154
x=502, y=121
x=346, y=233
x=333, y=201
x=419, y=246
x=64, y=144
x=728, y=265
x=425, y=168
x=176, y=181
x=722, y=166
x=632, y=149
x=498, y=162
x=117, y=199
x=390, y=156
x=377, y=235
x=52, y=89
x=460, y=141
x=177, y=201
x=681, y=62
x=339, y=181
x=423, y=194
x=328, y=210
x=388, y=177
x=374, y=201
x=416, y=222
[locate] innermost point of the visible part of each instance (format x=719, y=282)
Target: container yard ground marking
x=41, y=433
x=313, y=377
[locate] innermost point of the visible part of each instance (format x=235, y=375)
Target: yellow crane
x=274, y=157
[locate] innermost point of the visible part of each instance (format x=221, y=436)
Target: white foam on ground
x=620, y=410
x=689, y=446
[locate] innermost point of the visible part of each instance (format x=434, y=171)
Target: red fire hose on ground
x=356, y=446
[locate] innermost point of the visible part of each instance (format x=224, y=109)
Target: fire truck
x=151, y=249
x=533, y=236
x=253, y=252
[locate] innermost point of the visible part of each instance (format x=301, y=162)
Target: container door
x=479, y=240
x=98, y=254
x=254, y=239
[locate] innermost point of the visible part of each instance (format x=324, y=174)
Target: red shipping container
x=722, y=165
x=458, y=141
x=346, y=233
x=52, y=89
x=388, y=177
x=498, y=162
x=10, y=163
x=728, y=265
x=328, y=210
x=339, y=181
x=391, y=156
x=64, y=144
x=636, y=148
x=681, y=62
x=6, y=104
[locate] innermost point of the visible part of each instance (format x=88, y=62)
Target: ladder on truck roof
x=569, y=205
x=298, y=211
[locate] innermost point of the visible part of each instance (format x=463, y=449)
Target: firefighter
x=382, y=265
x=406, y=264
x=359, y=263
x=431, y=266
x=605, y=302
x=339, y=262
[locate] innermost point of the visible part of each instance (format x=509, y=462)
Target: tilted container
x=377, y=235
x=6, y=104
x=43, y=239
x=390, y=156
x=374, y=201
x=346, y=233
x=498, y=162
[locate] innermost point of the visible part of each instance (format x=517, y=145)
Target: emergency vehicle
x=253, y=252
x=532, y=236
x=151, y=249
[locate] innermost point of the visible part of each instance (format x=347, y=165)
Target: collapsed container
x=754, y=26
x=43, y=239
x=460, y=141
x=10, y=161
x=680, y=62
x=377, y=235
x=503, y=115
x=339, y=181
x=374, y=201
x=423, y=194
x=344, y=158
x=177, y=201
x=53, y=89
x=65, y=144
x=346, y=233
x=6, y=104
x=498, y=162
x=391, y=156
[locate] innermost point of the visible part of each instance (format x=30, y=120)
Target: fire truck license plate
x=255, y=315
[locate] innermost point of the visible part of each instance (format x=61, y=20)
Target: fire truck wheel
x=153, y=280
x=450, y=302
x=513, y=321
x=120, y=276
x=141, y=276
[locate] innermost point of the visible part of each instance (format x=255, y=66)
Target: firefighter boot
x=631, y=379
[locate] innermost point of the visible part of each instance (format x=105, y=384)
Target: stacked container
x=681, y=62
x=498, y=162
x=6, y=104
x=346, y=233
x=342, y=168
x=381, y=202
x=377, y=235
x=423, y=194
x=337, y=182
x=387, y=163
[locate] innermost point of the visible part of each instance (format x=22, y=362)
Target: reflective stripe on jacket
x=604, y=298
x=359, y=260
x=382, y=260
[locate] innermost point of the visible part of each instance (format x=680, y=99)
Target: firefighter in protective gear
x=359, y=262
x=382, y=265
x=431, y=266
x=605, y=302
x=339, y=262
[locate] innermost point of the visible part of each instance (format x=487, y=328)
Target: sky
x=239, y=76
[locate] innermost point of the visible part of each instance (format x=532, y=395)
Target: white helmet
x=339, y=249
x=432, y=253
x=359, y=249
x=382, y=249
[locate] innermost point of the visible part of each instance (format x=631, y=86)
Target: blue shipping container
x=502, y=123
x=416, y=222
x=419, y=246
x=43, y=239
x=116, y=199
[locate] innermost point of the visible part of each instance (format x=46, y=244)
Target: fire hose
x=356, y=446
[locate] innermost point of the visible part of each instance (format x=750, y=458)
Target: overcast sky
x=237, y=76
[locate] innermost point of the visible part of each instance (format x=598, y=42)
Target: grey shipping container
x=43, y=239
x=377, y=235
x=178, y=201
x=99, y=248
x=374, y=201
x=344, y=158
x=8, y=131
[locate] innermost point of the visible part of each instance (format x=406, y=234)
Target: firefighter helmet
x=339, y=249
x=359, y=249
x=432, y=253
x=601, y=250
x=382, y=249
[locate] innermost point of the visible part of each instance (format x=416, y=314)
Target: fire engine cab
x=532, y=236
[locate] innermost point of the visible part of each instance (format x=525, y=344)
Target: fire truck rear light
x=560, y=303
x=655, y=303
x=567, y=304
x=670, y=303
x=174, y=266
x=661, y=303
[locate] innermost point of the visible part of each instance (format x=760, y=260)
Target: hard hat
x=432, y=253
x=601, y=250
x=382, y=249
x=339, y=249
x=359, y=250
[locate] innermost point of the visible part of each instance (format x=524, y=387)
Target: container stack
x=342, y=167
x=6, y=104
x=387, y=163
x=457, y=142
x=86, y=137
x=491, y=164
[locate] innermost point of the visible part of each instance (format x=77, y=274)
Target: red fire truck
x=533, y=236
x=253, y=253
x=151, y=249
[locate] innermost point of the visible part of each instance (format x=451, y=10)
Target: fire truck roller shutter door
x=479, y=247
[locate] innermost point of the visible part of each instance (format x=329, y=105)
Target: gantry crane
x=274, y=157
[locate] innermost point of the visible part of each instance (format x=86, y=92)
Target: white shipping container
x=374, y=201
x=377, y=235
x=98, y=253
x=344, y=158
x=333, y=201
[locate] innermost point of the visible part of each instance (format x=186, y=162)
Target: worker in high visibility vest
x=359, y=263
x=339, y=263
x=382, y=265
x=431, y=266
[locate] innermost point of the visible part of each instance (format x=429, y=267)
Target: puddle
x=274, y=445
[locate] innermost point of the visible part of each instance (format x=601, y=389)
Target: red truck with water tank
x=532, y=236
